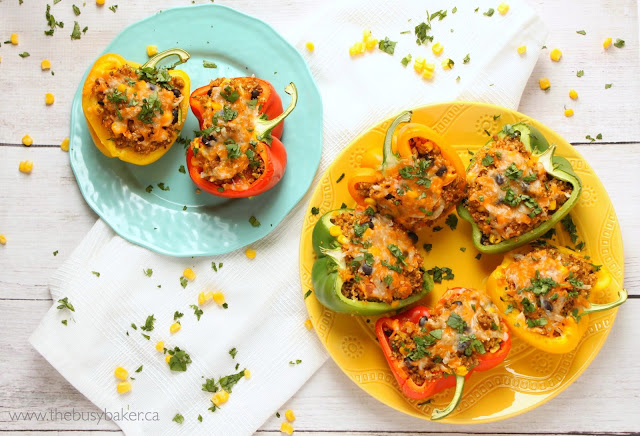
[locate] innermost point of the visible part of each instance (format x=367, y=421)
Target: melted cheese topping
x=509, y=191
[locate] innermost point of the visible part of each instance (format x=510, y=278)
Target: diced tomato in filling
x=228, y=152
x=546, y=286
x=139, y=113
x=509, y=193
x=461, y=328
x=382, y=262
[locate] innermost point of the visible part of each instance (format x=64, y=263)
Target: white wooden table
x=44, y=212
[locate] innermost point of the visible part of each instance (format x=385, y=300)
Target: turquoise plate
x=240, y=45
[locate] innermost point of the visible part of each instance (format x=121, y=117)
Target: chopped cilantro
x=456, y=322
x=148, y=324
x=466, y=59
x=162, y=186
x=608, y=85
x=233, y=352
x=580, y=73
x=229, y=94
x=179, y=359
x=487, y=160
x=65, y=304
x=315, y=211
x=76, y=10
x=254, y=221
x=421, y=33
x=581, y=32
x=452, y=221
x=113, y=8
x=183, y=281
x=387, y=46
x=75, y=34
x=95, y=273
x=228, y=114
x=427, y=247
x=306, y=294
x=209, y=64
x=569, y=226
x=148, y=272
x=178, y=418
x=440, y=274
x=405, y=60
x=149, y=107
x=196, y=311
x=619, y=43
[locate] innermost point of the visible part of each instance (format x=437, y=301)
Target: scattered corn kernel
x=45, y=65
x=552, y=205
x=152, y=50
x=65, y=144
x=343, y=239
x=123, y=387
x=573, y=94
x=220, y=397
x=204, y=298
x=250, y=253
x=167, y=358
x=308, y=324
x=160, y=346
x=568, y=112
x=418, y=64
x=437, y=49
x=14, y=38
x=522, y=49
x=309, y=45
x=175, y=327
x=494, y=239
x=462, y=370
x=359, y=47
x=335, y=231
x=3, y=240
x=370, y=44
x=555, y=55
x=289, y=415
x=121, y=373
x=218, y=297
x=447, y=64
x=189, y=274
x=286, y=428
x=370, y=201
x=247, y=374
x=607, y=43
x=26, y=166
x=27, y=140
x=503, y=8
x=366, y=34
x=49, y=98
x=99, y=2
x=544, y=83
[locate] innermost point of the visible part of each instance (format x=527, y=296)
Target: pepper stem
x=263, y=128
x=388, y=157
x=457, y=396
x=622, y=297
x=182, y=54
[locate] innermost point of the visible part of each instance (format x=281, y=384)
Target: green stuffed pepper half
x=366, y=264
x=517, y=189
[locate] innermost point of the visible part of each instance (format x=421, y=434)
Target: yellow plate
x=529, y=377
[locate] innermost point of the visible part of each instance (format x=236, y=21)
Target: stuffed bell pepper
x=543, y=295
x=429, y=351
x=419, y=179
x=238, y=153
x=517, y=189
x=366, y=264
x=135, y=113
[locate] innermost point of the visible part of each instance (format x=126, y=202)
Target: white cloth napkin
x=266, y=313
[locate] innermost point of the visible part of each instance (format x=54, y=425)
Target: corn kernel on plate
x=157, y=206
x=528, y=377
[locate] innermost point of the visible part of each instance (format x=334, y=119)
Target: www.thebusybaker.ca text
x=86, y=416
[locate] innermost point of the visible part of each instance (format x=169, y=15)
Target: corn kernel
x=335, y=231
x=369, y=201
x=555, y=55
x=121, y=373
x=189, y=274
x=370, y=44
x=123, y=387
x=26, y=166
x=152, y=50
x=437, y=49
x=3, y=240
x=99, y=2
x=418, y=64
x=568, y=112
x=289, y=415
x=286, y=428
x=553, y=204
x=49, y=98
x=167, y=358
x=160, y=346
x=503, y=8
x=607, y=43
x=366, y=35
x=64, y=146
x=462, y=370
x=522, y=49
x=175, y=327
x=218, y=297
x=45, y=65
x=202, y=299
x=250, y=253
x=343, y=239
x=447, y=64
x=359, y=46
x=494, y=239
x=247, y=374
x=308, y=324
x=309, y=45
x=573, y=94
x=27, y=140
x=220, y=397
x=544, y=83
x=14, y=38
x=352, y=51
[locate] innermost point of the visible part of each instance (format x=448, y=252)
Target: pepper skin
x=573, y=330
x=419, y=392
x=267, y=132
x=556, y=166
x=327, y=282
x=101, y=135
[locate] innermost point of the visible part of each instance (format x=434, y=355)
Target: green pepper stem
x=457, y=396
x=264, y=127
x=622, y=297
x=182, y=54
x=389, y=159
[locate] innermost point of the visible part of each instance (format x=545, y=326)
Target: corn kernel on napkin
x=125, y=298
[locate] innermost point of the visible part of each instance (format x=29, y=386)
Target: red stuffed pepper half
x=429, y=351
x=237, y=152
